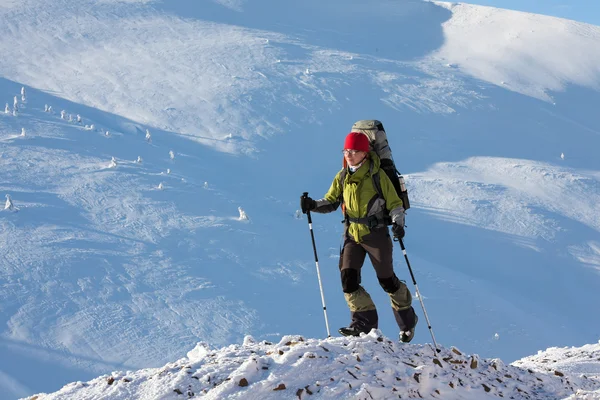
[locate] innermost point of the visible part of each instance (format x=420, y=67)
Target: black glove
x=398, y=231
x=307, y=204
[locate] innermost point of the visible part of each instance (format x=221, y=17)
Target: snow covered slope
x=531, y=54
x=210, y=106
x=370, y=367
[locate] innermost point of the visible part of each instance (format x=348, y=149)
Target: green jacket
x=360, y=197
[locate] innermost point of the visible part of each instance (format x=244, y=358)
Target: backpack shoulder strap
x=342, y=178
x=377, y=184
x=376, y=181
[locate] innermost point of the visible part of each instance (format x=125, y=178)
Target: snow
x=245, y=106
x=369, y=367
x=517, y=197
x=530, y=54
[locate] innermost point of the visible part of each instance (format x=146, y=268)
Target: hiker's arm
x=392, y=200
x=332, y=199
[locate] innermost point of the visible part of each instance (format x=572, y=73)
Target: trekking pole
x=312, y=235
x=418, y=293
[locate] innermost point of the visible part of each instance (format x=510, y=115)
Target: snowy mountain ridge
x=369, y=367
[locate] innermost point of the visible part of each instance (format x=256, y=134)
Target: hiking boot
x=407, y=336
x=350, y=331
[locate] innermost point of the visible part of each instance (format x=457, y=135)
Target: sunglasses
x=351, y=152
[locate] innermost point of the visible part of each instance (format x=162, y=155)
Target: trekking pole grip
x=305, y=195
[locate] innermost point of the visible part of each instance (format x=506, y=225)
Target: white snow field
x=155, y=160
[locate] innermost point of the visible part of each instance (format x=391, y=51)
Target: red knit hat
x=356, y=141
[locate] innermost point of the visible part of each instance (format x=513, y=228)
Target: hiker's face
x=354, y=157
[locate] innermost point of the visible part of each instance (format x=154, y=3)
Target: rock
x=474, y=363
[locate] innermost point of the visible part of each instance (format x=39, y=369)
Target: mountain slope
x=102, y=270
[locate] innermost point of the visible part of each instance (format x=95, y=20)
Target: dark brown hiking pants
x=378, y=245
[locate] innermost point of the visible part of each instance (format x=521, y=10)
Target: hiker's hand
x=307, y=204
x=398, y=231
x=398, y=216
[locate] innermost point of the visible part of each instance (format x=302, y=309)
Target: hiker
x=365, y=233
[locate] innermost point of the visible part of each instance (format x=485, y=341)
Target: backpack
x=374, y=130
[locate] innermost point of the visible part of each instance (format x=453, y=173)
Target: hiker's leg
x=401, y=302
x=362, y=309
x=379, y=246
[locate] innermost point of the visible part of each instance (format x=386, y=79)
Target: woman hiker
x=365, y=233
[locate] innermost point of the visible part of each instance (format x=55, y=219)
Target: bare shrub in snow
x=148, y=136
x=113, y=163
x=171, y=154
x=161, y=186
x=78, y=119
x=139, y=160
x=243, y=216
